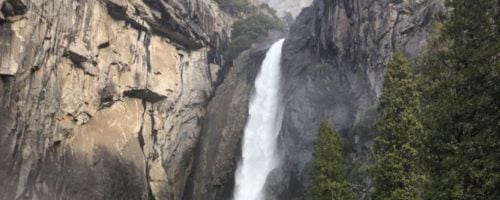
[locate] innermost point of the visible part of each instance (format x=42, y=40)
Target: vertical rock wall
x=335, y=59
x=103, y=99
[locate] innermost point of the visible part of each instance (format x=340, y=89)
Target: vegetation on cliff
x=328, y=175
x=250, y=30
x=253, y=22
x=235, y=7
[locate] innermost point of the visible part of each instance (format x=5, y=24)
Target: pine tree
x=397, y=171
x=461, y=91
x=328, y=177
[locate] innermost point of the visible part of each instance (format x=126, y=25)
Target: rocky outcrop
x=334, y=62
x=103, y=99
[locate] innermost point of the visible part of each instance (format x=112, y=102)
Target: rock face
x=103, y=99
x=334, y=62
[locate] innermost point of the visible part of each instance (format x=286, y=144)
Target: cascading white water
x=262, y=129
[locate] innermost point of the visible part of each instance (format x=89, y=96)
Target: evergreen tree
x=461, y=91
x=397, y=171
x=328, y=178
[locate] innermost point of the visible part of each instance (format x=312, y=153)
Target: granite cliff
x=103, y=99
x=124, y=99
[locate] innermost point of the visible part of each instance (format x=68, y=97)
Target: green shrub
x=248, y=31
x=235, y=7
x=322, y=65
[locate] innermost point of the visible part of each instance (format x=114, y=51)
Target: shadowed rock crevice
x=11, y=8
x=146, y=95
x=173, y=20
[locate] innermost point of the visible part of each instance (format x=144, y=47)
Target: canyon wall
x=104, y=99
x=123, y=99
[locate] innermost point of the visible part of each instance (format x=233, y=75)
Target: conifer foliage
x=328, y=178
x=397, y=173
x=461, y=90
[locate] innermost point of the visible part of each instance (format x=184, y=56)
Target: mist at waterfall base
x=259, y=152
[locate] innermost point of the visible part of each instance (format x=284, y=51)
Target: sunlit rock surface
x=103, y=99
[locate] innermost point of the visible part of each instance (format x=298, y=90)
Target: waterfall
x=259, y=155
